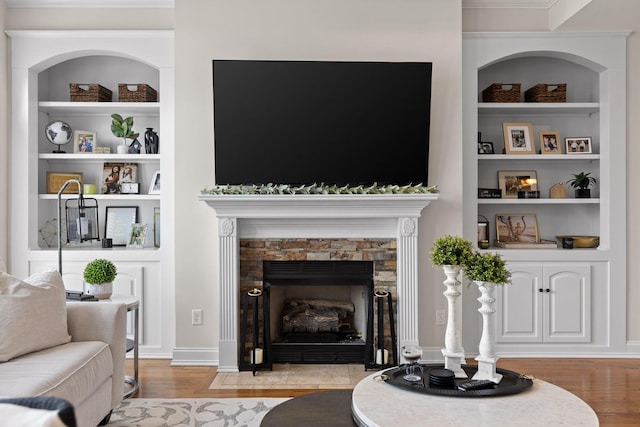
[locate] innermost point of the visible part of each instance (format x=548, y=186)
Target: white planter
x=487, y=358
x=453, y=352
x=100, y=291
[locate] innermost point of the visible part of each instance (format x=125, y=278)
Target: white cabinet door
x=518, y=305
x=545, y=303
x=567, y=303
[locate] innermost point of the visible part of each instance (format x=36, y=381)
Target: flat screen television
x=331, y=122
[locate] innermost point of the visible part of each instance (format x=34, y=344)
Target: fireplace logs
x=316, y=315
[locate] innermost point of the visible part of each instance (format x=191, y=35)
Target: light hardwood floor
x=610, y=386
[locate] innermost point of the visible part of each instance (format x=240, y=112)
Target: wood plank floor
x=610, y=386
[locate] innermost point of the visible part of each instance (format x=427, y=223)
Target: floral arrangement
x=280, y=189
x=450, y=250
x=487, y=267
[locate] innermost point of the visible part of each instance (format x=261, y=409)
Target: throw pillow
x=33, y=314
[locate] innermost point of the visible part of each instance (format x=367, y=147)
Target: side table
x=133, y=304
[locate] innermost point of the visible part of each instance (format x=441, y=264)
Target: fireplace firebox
x=318, y=311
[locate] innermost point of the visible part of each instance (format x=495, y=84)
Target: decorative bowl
x=582, y=241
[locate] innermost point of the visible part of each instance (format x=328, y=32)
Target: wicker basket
x=142, y=93
x=92, y=92
x=547, y=93
x=502, y=92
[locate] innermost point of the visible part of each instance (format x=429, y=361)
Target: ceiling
x=171, y=3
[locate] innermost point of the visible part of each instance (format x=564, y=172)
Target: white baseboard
x=195, y=357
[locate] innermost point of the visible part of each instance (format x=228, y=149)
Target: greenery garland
x=279, y=189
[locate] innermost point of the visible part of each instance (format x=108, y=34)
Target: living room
x=360, y=30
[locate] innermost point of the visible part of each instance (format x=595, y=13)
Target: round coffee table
x=376, y=403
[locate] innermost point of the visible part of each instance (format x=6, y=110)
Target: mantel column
x=229, y=276
x=407, y=273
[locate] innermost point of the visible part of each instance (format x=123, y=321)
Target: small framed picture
x=549, y=142
x=510, y=182
x=118, y=221
x=578, y=145
x=84, y=141
x=55, y=181
x=137, y=236
x=518, y=138
x=485, y=148
x=114, y=175
x=517, y=228
x=154, y=187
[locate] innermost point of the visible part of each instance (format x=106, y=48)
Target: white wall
x=4, y=138
x=290, y=29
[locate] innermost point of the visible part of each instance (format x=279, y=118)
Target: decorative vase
x=151, y=141
x=100, y=291
x=453, y=351
x=122, y=148
x=486, y=356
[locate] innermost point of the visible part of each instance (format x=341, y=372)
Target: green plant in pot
x=98, y=276
x=123, y=128
x=581, y=182
x=487, y=268
x=450, y=250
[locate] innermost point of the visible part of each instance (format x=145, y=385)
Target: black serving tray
x=512, y=382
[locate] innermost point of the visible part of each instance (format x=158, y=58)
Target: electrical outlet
x=441, y=317
x=196, y=316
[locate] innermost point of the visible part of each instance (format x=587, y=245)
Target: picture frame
x=117, y=224
x=521, y=228
x=156, y=227
x=84, y=141
x=510, y=182
x=130, y=188
x=578, y=145
x=154, y=186
x=550, y=142
x=518, y=138
x=55, y=181
x=485, y=148
x=114, y=174
x=137, y=236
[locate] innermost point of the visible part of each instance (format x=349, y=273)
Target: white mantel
x=316, y=216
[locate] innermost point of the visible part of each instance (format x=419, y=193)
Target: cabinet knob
x=540, y=290
x=547, y=290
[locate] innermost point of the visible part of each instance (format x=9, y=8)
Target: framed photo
x=517, y=228
x=116, y=174
x=55, y=181
x=156, y=227
x=137, y=236
x=130, y=188
x=578, y=145
x=550, y=142
x=154, y=187
x=84, y=141
x=518, y=138
x=485, y=148
x=118, y=223
x=511, y=182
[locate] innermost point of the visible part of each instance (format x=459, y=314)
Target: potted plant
x=98, y=276
x=581, y=182
x=123, y=128
x=451, y=253
x=487, y=270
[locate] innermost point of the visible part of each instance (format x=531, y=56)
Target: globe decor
x=452, y=253
x=58, y=133
x=487, y=270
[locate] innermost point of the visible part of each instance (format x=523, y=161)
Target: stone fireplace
x=332, y=217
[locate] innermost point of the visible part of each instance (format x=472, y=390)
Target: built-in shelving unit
x=557, y=296
x=44, y=63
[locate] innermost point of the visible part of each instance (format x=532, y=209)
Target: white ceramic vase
x=100, y=291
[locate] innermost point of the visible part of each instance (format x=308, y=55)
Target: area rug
x=294, y=376
x=192, y=412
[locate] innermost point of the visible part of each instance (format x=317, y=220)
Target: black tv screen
x=306, y=122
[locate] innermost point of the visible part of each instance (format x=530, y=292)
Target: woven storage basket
x=92, y=92
x=142, y=93
x=547, y=93
x=502, y=92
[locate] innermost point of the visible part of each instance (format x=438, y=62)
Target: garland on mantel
x=278, y=189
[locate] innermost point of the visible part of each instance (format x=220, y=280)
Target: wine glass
x=412, y=353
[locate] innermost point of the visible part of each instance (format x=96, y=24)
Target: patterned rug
x=192, y=412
